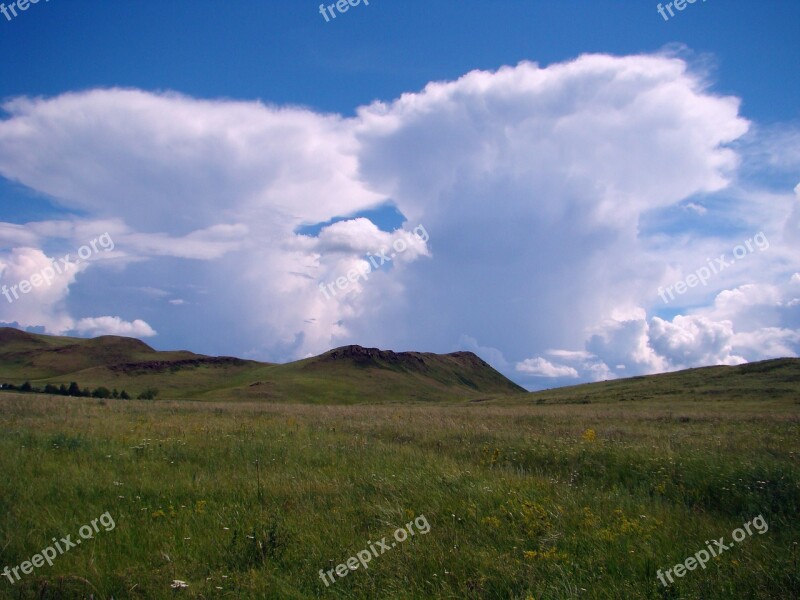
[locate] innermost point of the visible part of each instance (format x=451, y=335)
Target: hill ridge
x=344, y=374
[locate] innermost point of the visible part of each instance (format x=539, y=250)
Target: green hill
x=774, y=380
x=355, y=375
x=351, y=374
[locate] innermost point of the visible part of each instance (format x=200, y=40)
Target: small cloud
x=151, y=291
x=177, y=302
x=696, y=208
x=541, y=367
x=570, y=354
x=95, y=326
x=491, y=355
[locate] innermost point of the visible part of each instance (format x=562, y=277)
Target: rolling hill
x=774, y=380
x=347, y=375
x=356, y=375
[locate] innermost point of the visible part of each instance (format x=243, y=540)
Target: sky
x=574, y=190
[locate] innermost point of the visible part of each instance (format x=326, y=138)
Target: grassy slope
x=776, y=379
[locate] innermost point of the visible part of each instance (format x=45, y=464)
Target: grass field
x=248, y=500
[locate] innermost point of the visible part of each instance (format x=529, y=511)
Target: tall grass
x=543, y=501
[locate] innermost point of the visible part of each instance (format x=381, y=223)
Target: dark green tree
x=148, y=394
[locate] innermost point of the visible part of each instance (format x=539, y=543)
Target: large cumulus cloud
x=531, y=182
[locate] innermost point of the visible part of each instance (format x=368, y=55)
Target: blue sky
x=566, y=159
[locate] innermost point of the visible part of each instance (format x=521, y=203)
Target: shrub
x=148, y=394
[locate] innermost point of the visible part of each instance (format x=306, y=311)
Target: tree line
x=74, y=390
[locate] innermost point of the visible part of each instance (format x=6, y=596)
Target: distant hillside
x=354, y=374
x=777, y=379
x=351, y=374
x=33, y=356
x=455, y=369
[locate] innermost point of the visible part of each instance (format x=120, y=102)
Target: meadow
x=526, y=501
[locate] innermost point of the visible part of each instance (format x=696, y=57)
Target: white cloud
x=541, y=367
x=531, y=182
x=159, y=161
x=204, y=244
x=696, y=208
x=689, y=341
x=12, y=235
x=624, y=339
x=42, y=305
x=743, y=324
x=491, y=355
x=570, y=355
x=95, y=326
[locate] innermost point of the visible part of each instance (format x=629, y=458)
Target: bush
x=148, y=394
x=101, y=392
